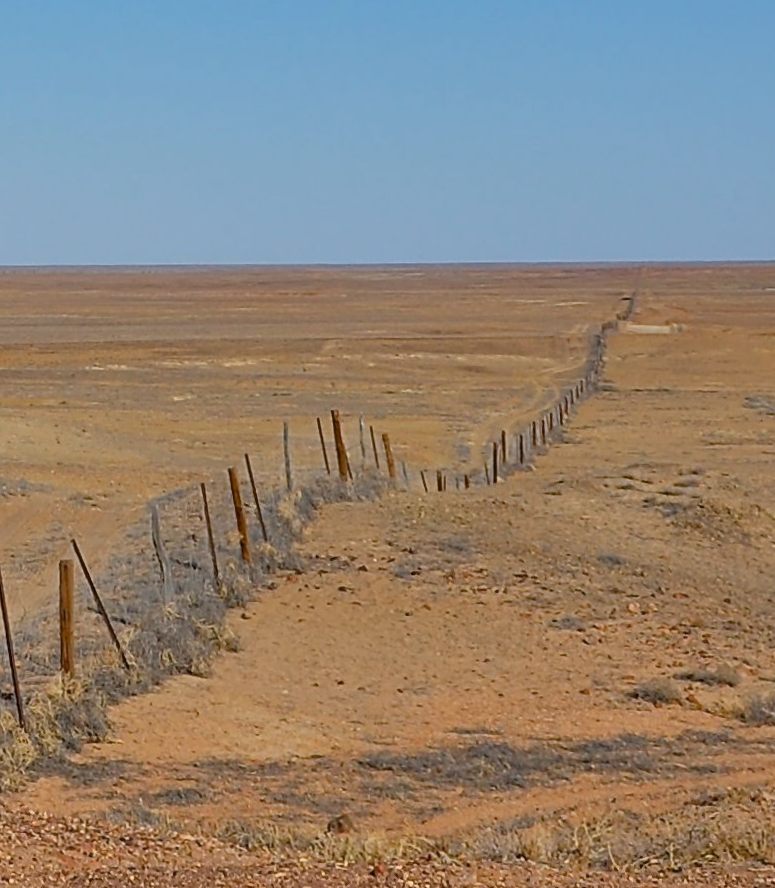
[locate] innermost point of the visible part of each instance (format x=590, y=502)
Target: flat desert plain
x=573, y=669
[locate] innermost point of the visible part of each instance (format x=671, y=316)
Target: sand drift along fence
x=158, y=607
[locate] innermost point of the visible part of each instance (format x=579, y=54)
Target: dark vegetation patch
x=569, y=623
x=180, y=795
x=657, y=690
x=721, y=675
x=760, y=710
x=489, y=765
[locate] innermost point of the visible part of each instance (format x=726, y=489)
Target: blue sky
x=392, y=131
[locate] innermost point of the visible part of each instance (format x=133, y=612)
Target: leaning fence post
x=287, y=455
x=210, y=537
x=424, y=481
x=374, y=446
x=239, y=512
x=259, y=513
x=391, y=466
x=341, y=454
x=66, y=635
x=100, y=605
x=323, y=446
x=362, y=439
x=12, y=657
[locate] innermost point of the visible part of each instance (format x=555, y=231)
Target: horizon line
x=587, y=263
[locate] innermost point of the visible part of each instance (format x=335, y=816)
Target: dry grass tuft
x=760, y=710
x=724, y=674
x=658, y=691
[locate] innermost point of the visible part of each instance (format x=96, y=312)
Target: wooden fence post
x=466, y=481
x=439, y=481
x=66, y=633
x=494, y=462
x=504, y=458
x=323, y=446
x=12, y=658
x=424, y=481
x=362, y=438
x=210, y=537
x=405, y=473
x=341, y=454
x=287, y=456
x=391, y=466
x=534, y=430
x=374, y=446
x=100, y=606
x=254, y=489
x=165, y=565
x=521, y=449
x=239, y=512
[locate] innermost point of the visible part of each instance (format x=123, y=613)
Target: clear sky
x=186, y=131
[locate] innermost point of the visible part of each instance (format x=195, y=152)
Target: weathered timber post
x=323, y=446
x=239, y=513
x=66, y=633
x=391, y=466
x=254, y=489
x=374, y=446
x=100, y=606
x=287, y=456
x=210, y=537
x=341, y=454
x=12, y=658
x=165, y=565
x=362, y=438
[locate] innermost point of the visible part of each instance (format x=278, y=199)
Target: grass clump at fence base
x=161, y=639
x=59, y=718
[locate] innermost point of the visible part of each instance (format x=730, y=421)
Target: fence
x=172, y=622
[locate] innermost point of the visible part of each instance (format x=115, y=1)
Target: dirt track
x=462, y=665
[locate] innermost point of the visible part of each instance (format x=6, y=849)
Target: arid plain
x=574, y=667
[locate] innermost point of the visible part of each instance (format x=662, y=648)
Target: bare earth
x=461, y=674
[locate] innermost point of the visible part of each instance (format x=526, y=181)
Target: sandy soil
x=462, y=666
x=116, y=386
